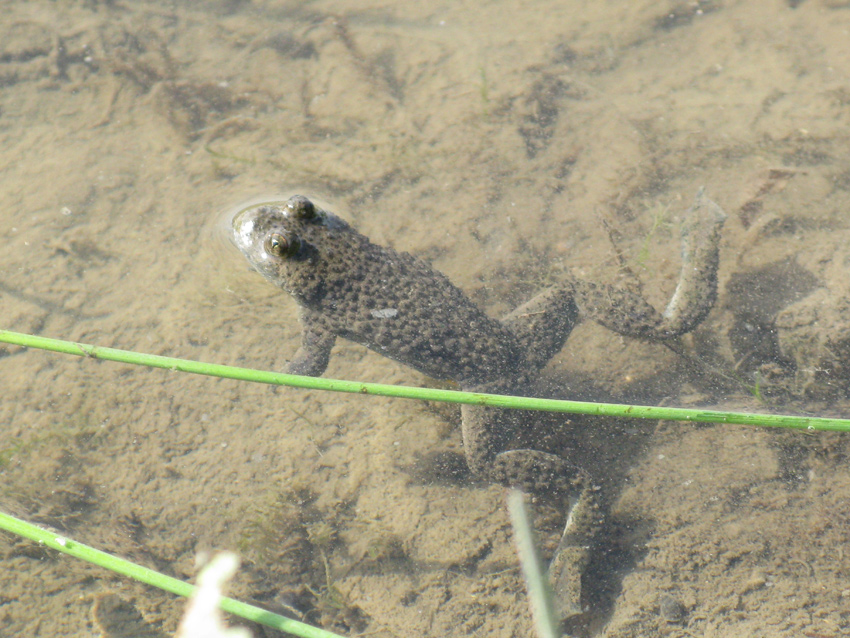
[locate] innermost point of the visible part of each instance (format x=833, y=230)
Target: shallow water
x=492, y=139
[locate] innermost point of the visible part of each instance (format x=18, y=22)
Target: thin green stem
x=539, y=593
x=427, y=394
x=144, y=575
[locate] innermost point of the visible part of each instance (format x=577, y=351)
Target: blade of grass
x=427, y=394
x=148, y=576
x=539, y=593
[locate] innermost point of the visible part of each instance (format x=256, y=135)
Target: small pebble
x=671, y=609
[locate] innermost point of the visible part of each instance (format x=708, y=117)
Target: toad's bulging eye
x=301, y=207
x=283, y=244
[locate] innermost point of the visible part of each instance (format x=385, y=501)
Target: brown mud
x=498, y=141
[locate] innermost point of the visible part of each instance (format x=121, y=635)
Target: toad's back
x=388, y=301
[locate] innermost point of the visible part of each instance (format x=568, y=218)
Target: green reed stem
x=427, y=394
x=148, y=576
x=540, y=595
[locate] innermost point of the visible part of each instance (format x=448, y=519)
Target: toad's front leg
x=312, y=358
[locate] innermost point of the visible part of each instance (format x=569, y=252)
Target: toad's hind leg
x=559, y=481
x=486, y=432
x=543, y=324
x=629, y=314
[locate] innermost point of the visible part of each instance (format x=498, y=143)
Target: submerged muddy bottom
x=491, y=141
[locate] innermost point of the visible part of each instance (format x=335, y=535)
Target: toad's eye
x=283, y=245
x=300, y=207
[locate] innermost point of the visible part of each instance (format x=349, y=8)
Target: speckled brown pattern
x=388, y=301
x=400, y=307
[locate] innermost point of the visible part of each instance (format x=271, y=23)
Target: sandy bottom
x=492, y=140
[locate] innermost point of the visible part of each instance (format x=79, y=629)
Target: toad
x=400, y=307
